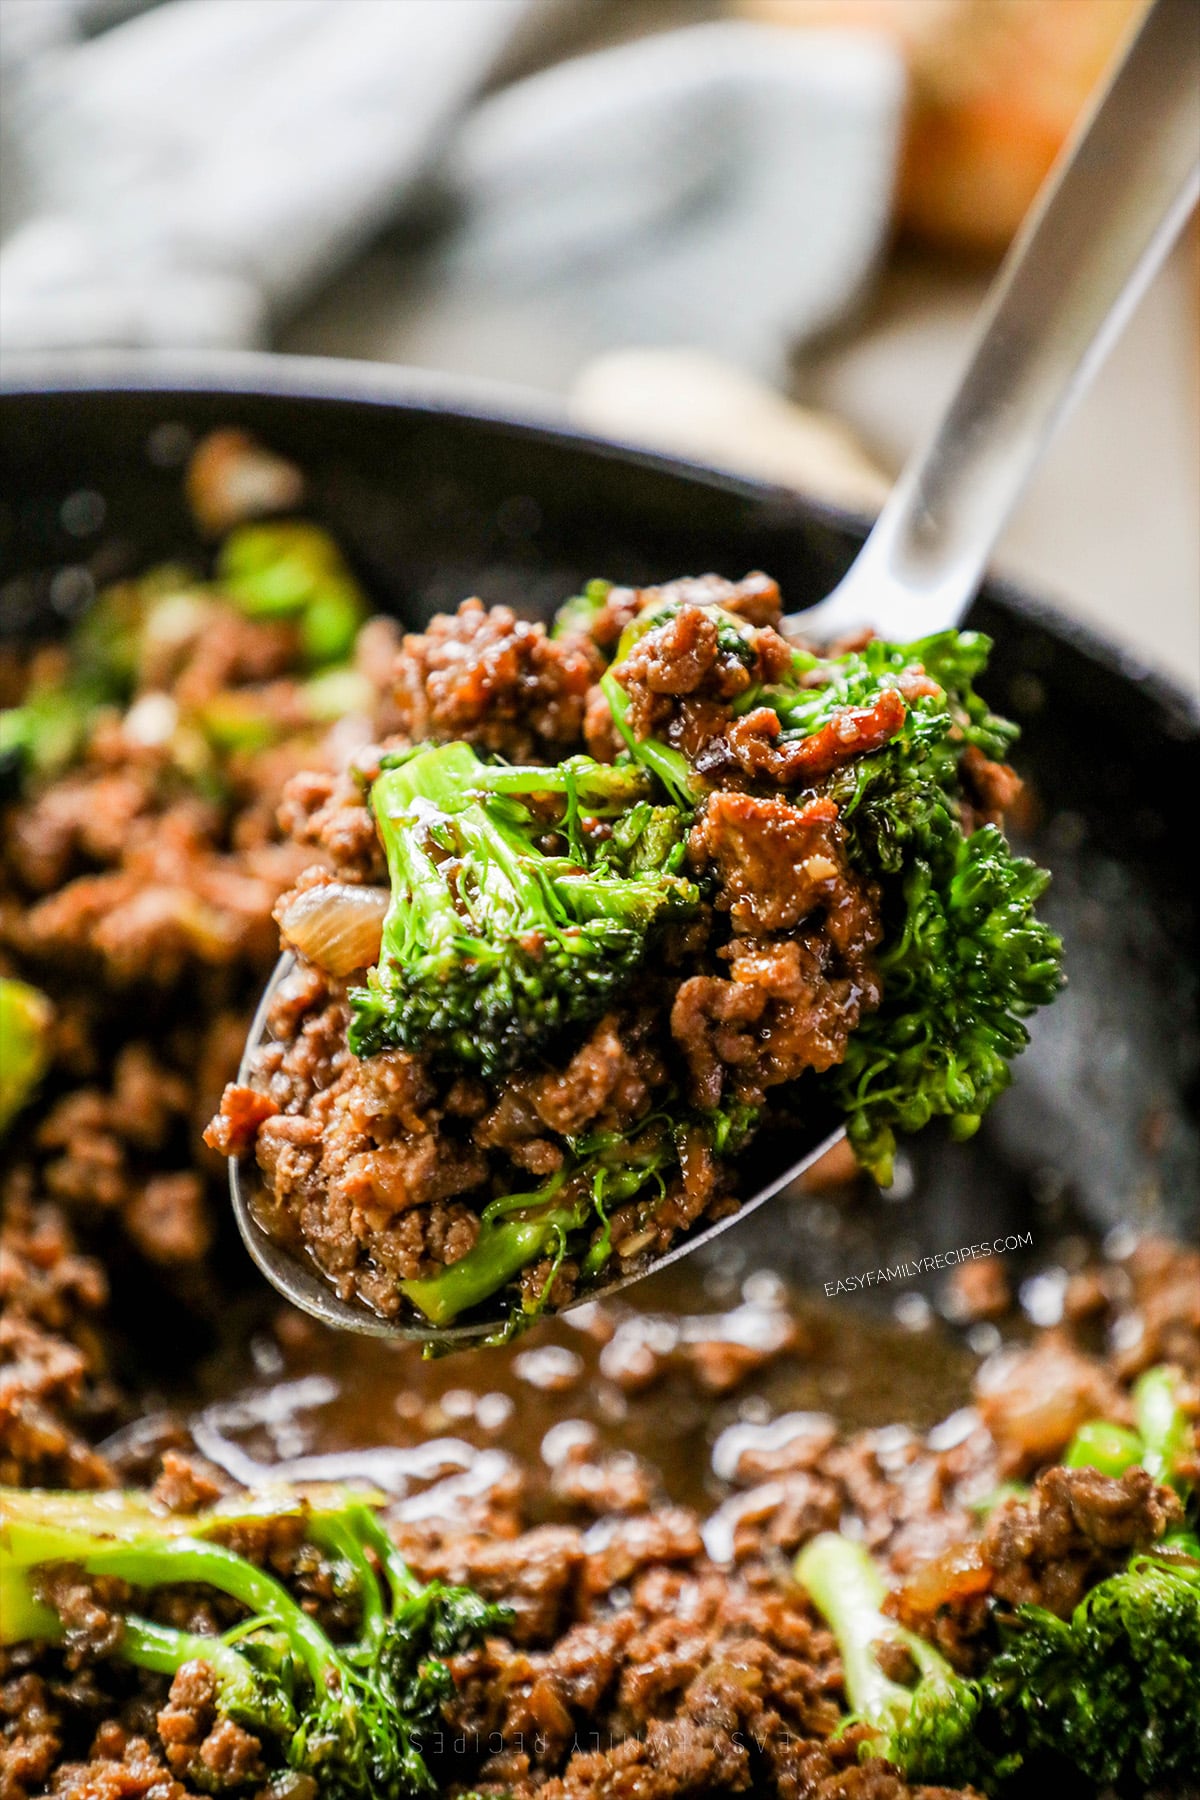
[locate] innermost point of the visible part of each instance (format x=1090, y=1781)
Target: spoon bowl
x=298, y=1279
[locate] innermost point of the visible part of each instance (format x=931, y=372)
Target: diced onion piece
x=337, y=925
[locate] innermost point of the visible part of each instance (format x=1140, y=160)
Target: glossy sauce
x=652, y=1391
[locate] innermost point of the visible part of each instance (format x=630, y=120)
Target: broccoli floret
x=964, y=958
x=493, y=941
x=1111, y=1695
x=1114, y=1691
x=962, y=968
x=352, y=1715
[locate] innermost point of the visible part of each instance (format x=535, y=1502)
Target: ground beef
x=186, y=1484
x=1033, y=1401
x=696, y=1686
x=121, y=867
x=55, y=1393
x=993, y=787
x=380, y=1167
x=200, y=1748
x=330, y=814
x=655, y=1653
x=498, y=681
x=90, y=1608
x=100, y=1150
x=755, y=599
x=1076, y=1527
x=683, y=676
x=121, y=1766
x=787, y=1007
x=759, y=748
x=30, y=1735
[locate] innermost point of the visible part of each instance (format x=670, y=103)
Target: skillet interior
x=433, y=503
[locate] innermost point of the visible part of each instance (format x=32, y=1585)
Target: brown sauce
x=652, y=1387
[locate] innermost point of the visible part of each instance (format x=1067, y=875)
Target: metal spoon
x=1104, y=221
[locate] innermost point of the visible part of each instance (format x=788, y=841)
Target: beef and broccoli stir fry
x=1005, y=1603
x=771, y=1549
x=611, y=900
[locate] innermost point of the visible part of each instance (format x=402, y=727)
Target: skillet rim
x=485, y=401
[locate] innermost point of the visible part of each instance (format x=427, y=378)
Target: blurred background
x=754, y=231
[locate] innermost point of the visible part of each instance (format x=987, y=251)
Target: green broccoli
x=1161, y=1442
x=25, y=1019
x=965, y=962
x=1099, y=1444
x=288, y=569
x=493, y=941
x=568, y=1213
x=930, y=1729
x=1110, y=1695
x=577, y=613
x=964, y=958
x=353, y=1715
x=45, y=734
x=1163, y=1426
x=284, y=570
x=1114, y=1691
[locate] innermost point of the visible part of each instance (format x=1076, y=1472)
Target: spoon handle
x=1104, y=220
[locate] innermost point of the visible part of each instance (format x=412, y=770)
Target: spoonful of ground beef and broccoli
x=765, y=894
x=773, y=898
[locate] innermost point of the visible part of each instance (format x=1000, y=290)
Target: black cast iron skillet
x=437, y=493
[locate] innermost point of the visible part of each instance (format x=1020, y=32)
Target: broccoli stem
x=148, y=1565
x=1101, y=1445
x=244, y=1692
x=600, y=788
x=365, y=1523
x=1162, y=1424
x=504, y=1247
x=848, y=1590
x=670, y=766
x=342, y=1538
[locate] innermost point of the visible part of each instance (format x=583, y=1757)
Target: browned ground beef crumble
x=655, y=1654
